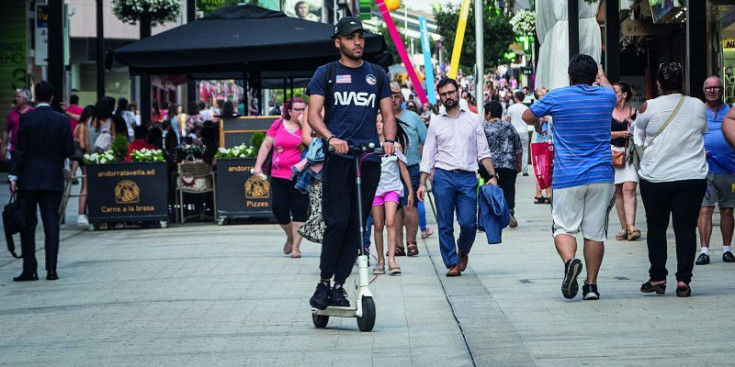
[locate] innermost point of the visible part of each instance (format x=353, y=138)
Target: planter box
x=239, y=193
x=127, y=192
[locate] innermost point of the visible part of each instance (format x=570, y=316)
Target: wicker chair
x=195, y=178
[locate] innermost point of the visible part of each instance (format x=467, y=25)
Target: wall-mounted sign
x=41, y=44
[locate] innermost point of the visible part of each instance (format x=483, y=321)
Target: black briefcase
x=15, y=219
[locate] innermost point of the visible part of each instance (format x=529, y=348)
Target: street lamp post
x=56, y=51
x=100, y=50
x=479, y=59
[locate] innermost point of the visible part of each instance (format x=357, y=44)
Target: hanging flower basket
x=524, y=23
x=160, y=11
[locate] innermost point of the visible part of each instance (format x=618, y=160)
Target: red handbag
x=542, y=157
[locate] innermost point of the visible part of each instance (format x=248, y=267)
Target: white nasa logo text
x=362, y=99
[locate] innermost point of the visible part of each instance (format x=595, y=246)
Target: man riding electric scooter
x=351, y=91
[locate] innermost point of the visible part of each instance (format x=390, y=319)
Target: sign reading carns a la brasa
x=122, y=192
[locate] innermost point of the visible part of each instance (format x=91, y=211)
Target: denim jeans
x=422, y=215
x=455, y=190
x=368, y=231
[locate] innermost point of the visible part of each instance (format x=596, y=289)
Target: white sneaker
x=82, y=220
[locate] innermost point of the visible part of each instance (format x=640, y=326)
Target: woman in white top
x=672, y=174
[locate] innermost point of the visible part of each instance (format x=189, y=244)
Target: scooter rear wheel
x=367, y=321
x=320, y=321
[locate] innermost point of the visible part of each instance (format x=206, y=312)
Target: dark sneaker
x=703, y=259
x=569, y=286
x=728, y=257
x=589, y=292
x=338, y=296
x=320, y=299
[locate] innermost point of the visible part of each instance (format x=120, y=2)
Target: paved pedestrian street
x=208, y=295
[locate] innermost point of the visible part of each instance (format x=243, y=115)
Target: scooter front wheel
x=320, y=321
x=367, y=321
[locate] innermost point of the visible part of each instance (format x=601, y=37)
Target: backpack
x=332, y=74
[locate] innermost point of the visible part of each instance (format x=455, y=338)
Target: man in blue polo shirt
x=721, y=176
x=583, y=189
x=351, y=96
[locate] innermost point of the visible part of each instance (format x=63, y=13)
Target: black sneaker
x=320, y=299
x=728, y=257
x=569, y=286
x=589, y=292
x=338, y=296
x=703, y=259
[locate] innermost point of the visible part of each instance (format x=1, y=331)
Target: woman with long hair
x=289, y=206
x=82, y=139
x=626, y=178
x=673, y=172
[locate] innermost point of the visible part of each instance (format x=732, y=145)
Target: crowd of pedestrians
x=448, y=150
x=675, y=148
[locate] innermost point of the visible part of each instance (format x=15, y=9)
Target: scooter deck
x=336, y=311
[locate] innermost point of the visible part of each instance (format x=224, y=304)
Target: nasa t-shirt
x=353, y=107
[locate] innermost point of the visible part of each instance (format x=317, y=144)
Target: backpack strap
x=329, y=98
x=380, y=74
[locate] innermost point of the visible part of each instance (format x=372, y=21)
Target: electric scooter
x=364, y=309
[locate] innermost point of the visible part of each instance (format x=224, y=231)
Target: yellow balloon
x=392, y=4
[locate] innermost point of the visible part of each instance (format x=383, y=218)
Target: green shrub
x=119, y=147
x=256, y=140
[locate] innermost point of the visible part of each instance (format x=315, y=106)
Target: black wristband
x=330, y=138
x=390, y=141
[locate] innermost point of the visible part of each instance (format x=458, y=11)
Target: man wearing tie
x=44, y=142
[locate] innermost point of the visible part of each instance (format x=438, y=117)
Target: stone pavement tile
x=625, y=327
x=206, y=294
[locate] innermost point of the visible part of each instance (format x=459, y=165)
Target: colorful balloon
x=392, y=4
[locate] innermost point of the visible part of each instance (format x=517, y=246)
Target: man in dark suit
x=44, y=141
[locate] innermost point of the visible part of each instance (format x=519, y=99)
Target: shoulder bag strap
x=671, y=118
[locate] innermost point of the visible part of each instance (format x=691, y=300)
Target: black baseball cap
x=347, y=26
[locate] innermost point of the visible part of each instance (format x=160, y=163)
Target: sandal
x=634, y=235
x=623, y=234
x=400, y=251
x=379, y=269
x=427, y=233
x=287, y=248
x=393, y=270
x=295, y=254
x=538, y=200
x=413, y=250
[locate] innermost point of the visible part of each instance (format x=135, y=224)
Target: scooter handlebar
x=357, y=150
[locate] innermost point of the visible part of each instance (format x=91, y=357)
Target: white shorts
x=584, y=208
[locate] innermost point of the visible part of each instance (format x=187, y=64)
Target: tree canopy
x=498, y=33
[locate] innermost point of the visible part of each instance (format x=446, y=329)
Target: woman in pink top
x=289, y=205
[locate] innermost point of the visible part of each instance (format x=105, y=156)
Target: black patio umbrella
x=242, y=40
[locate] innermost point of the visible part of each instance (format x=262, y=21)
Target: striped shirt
x=581, y=132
